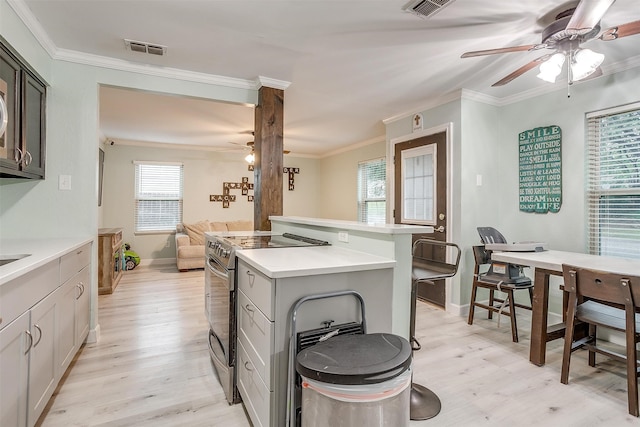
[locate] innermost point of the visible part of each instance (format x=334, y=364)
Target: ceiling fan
x=251, y=156
x=570, y=28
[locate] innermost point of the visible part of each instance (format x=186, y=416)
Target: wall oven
x=220, y=294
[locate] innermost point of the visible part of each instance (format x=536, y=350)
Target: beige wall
x=204, y=173
x=338, y=188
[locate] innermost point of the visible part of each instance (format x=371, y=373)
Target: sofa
x=190, y=240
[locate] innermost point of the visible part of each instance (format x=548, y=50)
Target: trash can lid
x=355, y=359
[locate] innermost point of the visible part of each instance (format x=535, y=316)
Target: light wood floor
x=151, y=367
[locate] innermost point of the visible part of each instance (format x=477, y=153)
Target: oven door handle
x=218, y=270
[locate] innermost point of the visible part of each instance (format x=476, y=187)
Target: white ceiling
x=350, y=63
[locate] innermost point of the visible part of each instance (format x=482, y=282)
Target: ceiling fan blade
x=619, y=31
x=501, y=50
x=520, y=71
x=587, y=15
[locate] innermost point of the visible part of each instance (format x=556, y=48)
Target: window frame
x=363, y=199
x=160, y=228
x=600, y=199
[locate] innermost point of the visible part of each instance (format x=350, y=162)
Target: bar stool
x=430, y=265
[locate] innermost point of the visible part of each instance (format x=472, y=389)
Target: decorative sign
x=226, y=197
x=291, y=171
x=417, y=122
x=541, y=169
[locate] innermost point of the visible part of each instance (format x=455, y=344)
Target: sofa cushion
x=191, y=251
x=217, y=226
x=240, y=225
x=196, y=231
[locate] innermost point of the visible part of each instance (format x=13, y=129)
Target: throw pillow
x=196, y=232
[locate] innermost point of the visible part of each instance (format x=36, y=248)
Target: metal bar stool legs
x=424, y=403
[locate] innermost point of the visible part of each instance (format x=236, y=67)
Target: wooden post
x=268, y=147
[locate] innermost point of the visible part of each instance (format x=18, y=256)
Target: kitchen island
x=270, y=282
x=386, y=240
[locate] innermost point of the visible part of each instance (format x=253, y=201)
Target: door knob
x=439, y=229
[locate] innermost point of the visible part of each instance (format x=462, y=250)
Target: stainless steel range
x=220, y=294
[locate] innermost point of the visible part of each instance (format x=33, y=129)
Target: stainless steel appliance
x=220, y=294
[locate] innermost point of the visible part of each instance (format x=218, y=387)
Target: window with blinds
x=158, y=193
x=613, y=183
x=372, y=205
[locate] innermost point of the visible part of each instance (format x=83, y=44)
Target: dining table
x=548, y=263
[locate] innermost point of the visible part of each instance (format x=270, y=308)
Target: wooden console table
x=109, y=259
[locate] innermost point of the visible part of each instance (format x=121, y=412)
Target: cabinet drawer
x=257, y=287
x=255, y=394
x=255, y=332
x=74, y=261
x=22, y=293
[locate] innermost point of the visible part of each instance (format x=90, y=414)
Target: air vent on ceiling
x=426, y=8
x=144, y=47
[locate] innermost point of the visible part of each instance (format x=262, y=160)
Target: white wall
x=204, y=173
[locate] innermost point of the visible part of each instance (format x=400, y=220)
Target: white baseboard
x=94, y=335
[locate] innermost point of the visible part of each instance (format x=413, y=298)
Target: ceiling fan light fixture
x=551, y=68
x=584, y=63
x=250, y=158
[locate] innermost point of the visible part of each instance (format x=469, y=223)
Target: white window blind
x=372, y=191
x=613, y=184
x=158, y=193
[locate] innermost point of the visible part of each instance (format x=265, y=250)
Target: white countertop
x=311, y=260
x=553, y=260
x=40, y=251
x=354, y=225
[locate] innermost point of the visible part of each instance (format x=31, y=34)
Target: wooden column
x=268, y=146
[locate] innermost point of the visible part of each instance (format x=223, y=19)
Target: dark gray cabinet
x=22, y=147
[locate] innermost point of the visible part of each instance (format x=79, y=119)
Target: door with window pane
x=421, y=196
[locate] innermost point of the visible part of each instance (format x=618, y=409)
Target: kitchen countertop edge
x=311, y=260
x=41, y=252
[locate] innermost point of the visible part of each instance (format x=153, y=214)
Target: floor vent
x=144, y=47
x=426, y=8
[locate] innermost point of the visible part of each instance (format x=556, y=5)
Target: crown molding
x=434, y=102
x=24, y=13
x=30, y=21
x=150, y=70
x=272, y=83
x=375, y=140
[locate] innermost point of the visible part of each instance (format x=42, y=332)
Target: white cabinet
x=263, y=314
x=82, y=305
x=44, y=320
x=42, y=355
x=14, y=371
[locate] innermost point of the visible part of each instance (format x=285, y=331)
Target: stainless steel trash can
x=356, y=380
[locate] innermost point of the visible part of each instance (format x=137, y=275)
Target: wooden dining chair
x=610, y=300
x=504, y=306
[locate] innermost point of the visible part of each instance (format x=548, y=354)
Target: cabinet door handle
x=252, y=278
x=28, y=158
x=249, y=308
x=39, y=335
x=30, y=342
x=248, y=366
x=80, y=287
x=17, y=156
